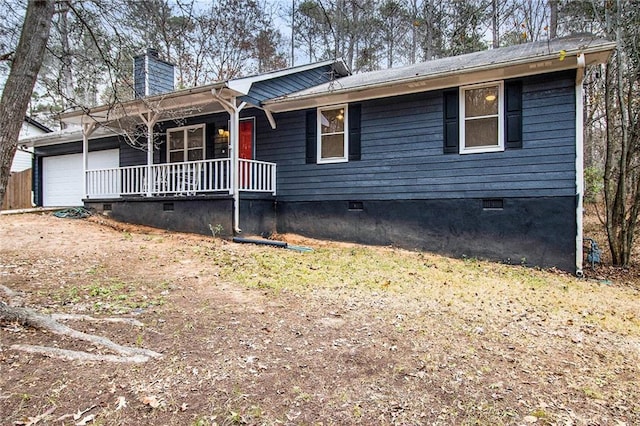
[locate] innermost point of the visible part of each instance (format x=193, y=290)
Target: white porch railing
x=188, y=178
x=257, y=176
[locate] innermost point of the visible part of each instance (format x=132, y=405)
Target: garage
x=62, y=176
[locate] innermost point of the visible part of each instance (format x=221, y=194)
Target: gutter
x=421, y=78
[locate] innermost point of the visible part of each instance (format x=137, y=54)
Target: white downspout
x=579, y=161
x=149, y=158
x=233, y=109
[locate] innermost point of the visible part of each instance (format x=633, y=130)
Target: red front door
x=246, y=139
x=246, y=152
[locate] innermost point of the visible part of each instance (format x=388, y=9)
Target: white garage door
x=62, y=176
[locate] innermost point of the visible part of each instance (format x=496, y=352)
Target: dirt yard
x=342, y=335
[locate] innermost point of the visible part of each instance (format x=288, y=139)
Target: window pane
x=176, y=140
x=480, y=102
x=195, y=154
x=332, y=146
x=481, y=132
x=176, y=157
x=332, y=120
x=195, y=137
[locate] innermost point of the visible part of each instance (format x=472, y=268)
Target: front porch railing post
x=273, y=179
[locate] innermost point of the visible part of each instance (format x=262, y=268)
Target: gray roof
x=487, y=59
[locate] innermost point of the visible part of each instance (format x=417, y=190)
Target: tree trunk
x=22, y=77
x=622, y=191
x=67, y=77
x=495, y=22
x=553, y=19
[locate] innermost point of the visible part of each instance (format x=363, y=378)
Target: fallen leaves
x=152, y=401
x=35, y=420
x=467, y=351
x=86, y=420
x=121, y=403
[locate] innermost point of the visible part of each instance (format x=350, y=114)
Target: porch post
x=150, y=121
x=87, y=130
x=149, y=159
x=233, y=109
x=235, y=184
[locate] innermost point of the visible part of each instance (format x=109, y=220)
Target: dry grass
x=346, y=334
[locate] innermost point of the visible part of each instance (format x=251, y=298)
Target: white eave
x=444, y=73
x=195, y=101
x=66, y=136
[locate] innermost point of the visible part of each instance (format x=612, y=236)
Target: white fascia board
x=66, y=136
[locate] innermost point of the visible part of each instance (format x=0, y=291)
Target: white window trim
x=185, y=149
x=345, y=157
x=463, y=119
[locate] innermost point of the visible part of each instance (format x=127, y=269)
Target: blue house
x=476, y=155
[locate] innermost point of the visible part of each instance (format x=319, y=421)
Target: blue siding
x=291, y=83
x=130, y=156
x=139, y=77
x=158, y=74
x=402, y=153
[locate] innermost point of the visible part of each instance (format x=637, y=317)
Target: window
x=185, y=144
x=481, y=110
x=333, y=140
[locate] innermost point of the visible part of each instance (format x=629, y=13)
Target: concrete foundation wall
x=191, y=214
x=170, y=213
x=531, y=231
x=536, y=232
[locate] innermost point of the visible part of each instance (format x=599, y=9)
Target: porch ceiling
x=181, y=103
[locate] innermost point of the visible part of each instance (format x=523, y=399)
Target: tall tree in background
x=612, y=114
x=526, y=21
x=73, y=63
x=167, y=27
x=622, y=92
x=233, y=35
x=466, y=19
x=269, y=44
x=308, y=22
x=266, y=52
x=22, y=77
x=427, y=31
x=392, y=18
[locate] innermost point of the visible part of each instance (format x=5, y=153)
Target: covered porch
x=186, y=171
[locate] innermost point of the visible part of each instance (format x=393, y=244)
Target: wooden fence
x=18, y=194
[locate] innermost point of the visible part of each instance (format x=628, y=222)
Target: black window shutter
x=513, y=115
x=312, y=152
x=451, y=123
x=354, y=132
